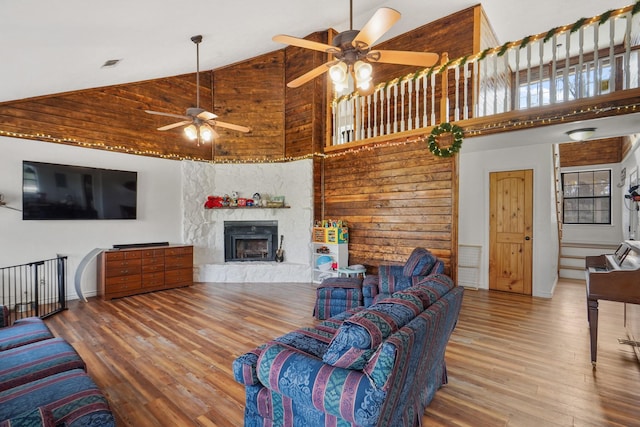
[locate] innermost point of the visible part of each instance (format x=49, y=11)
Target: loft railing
x=589, y=58
x=34, y=289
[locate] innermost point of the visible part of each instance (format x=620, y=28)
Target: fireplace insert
x=250, y=240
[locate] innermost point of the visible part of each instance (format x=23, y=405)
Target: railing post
x=62, y=275
x=444, y=100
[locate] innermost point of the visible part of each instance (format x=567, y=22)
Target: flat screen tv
x=53, y=191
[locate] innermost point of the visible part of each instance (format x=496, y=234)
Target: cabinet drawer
x=122, y=268
x=117, y=284
x=182, y=276
x=152, y=253
x=153, y=268
x=186, y=250
x=153, y=280
x=151, y=261
x=182, y=261
x=120, y=255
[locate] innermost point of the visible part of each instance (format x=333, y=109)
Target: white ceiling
x=57, y=46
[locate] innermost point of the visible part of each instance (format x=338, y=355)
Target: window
x=586, y=197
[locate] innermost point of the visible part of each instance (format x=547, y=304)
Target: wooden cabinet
x=124, y=272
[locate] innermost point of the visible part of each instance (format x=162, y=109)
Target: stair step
x=572, y=256
x=571, y=267
x=605, y=246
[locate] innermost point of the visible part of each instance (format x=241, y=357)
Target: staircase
x=572, y=257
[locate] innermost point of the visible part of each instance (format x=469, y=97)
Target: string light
x=468, y=132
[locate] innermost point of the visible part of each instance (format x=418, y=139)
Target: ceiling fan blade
x=206, y=115
x=230, y=126
x=310, y=75
x=174, y=125
x=380, y=23
x=295, y=41
x=178, y=116
x=419, y=59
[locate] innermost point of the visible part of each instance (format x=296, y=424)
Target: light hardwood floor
x=164, y=359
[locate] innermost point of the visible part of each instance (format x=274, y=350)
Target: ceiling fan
x=352, y=52
x=200, y=123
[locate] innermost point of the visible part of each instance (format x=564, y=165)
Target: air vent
x=111, y=63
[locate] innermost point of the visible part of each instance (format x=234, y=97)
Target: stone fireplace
x=247, y=241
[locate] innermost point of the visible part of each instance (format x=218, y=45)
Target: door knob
x=527, y=238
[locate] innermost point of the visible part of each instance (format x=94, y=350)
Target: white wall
x=159, y=208
x=630, y=215
x=473, y=225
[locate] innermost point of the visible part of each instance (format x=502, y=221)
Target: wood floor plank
x=164, y=359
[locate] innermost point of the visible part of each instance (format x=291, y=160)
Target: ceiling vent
x=110, y=63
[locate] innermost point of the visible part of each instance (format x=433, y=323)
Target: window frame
x=593, y=209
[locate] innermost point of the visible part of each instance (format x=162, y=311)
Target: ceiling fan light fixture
x=338, y=72
x=206, y=133
x=191, y=132
x=581, y=134
x=363, y=71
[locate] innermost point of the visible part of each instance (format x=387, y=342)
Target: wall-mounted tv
x=53, y=191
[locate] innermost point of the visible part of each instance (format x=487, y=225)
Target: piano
x=614, y=277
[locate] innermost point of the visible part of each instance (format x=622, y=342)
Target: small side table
x=352, y=270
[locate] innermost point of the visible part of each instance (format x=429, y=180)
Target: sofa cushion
x=39, y=417
x=22, y=332
x=360, y=335
x=37, y=360
x=432, y=288
x=71, y=396
x=420, y=263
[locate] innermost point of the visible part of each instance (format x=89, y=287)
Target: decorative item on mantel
x=236, y=202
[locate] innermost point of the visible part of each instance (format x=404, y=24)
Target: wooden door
x=511, y=231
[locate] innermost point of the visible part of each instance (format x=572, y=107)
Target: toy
x=213, y=202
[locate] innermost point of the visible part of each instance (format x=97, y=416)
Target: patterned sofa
x=375, y=366
x=43, y=380
x=392, y=278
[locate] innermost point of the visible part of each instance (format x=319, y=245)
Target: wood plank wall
x=251, y=93
x=395, y=197
x=113, y=116
x=597, y=152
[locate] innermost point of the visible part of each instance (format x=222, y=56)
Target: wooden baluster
x=410, y=96
x=612, y=58
x=476, y=88
x=381, y=111
x=402, y=90
x=375, y=113
x=580, y=83
x=552, y=79
x=597, y=69
x=395, y=108
x=567, y=63
x=529, y=75
x=444, y=101
x=368, y=97
x=389, y=109
x=433, y=99
x=456, y=107
x=627, y=52
x=466, y=75
x=425, y=89
x=516, y=85
x=540, y=72
x=417, y=91
x=506, y=105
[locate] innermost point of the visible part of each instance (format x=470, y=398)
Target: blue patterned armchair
x=378, y=366
x=392, y=278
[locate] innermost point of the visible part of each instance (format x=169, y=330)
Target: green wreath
x=455, y=130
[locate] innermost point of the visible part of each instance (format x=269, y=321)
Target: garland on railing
x=432, y=140
x=501, y=50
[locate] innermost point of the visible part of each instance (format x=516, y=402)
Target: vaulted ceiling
x=53, y=47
